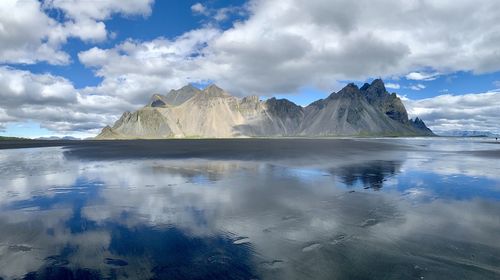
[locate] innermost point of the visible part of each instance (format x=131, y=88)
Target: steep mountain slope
x=174, y=97
x=214, y=113
x=370, y=110
x=147, y=122
x=390, y=104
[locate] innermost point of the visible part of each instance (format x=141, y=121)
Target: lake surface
x=423, y=208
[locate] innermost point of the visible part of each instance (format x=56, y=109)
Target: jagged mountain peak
x=374, y=90
x=377, y=95
x=287, y=116
x=280, y=100
x=215, y=91
x=283, y=104
x=417, y=121
x=349, y=90
x=174, y=97
x=378, y=84
x=189, y=87
x=250, y=98
x=157, y=100
x=213, y=87
x=420, y=125
x=351, y=86
x=364, y=87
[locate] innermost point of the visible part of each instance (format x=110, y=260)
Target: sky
x=71, y=67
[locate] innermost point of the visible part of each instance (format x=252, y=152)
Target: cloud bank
x=447, y=112
x=284, y=45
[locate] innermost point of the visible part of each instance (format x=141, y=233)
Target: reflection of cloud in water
x=153, y=218
x=371, y=174
x=26, y=172
x=447, y=163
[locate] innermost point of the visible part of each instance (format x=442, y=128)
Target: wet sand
x=242, y=149
x=487, y=153
x=22, y=144
x=212, y=148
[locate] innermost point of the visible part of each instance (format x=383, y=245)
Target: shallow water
x=385, y=209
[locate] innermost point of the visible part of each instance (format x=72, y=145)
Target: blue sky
x=69, y=67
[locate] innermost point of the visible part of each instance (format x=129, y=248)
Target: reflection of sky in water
x=408, y=215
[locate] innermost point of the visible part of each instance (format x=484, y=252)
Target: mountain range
x=468, y=133
x=214, y=113
x=57, y=138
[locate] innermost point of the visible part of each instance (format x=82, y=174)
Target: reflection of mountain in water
x=208, y=172
x=371, y=174
x=196, y=176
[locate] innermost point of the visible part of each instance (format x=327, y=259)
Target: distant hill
x=214, y=113
x=9, y=138
x=468, y=133
x=58, y=138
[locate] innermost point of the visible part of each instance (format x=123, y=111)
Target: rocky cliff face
x=174, y=97
x=214, y=113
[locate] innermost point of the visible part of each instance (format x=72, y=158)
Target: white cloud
x=217, y=15
x=417, y=87
x=223, y=14
x=422, y=76
x=165, y=64
x=29, y=35
x=199, y=8
x=392, y=85
x=55, y=103
x=496, y=84
x=22, y=87
x=4, y=119
x=447, y=112
x=100, y=10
